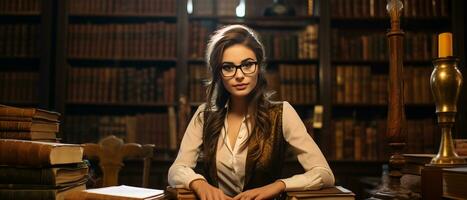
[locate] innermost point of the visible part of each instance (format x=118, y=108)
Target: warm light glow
x=442, y=75
x=189, y=6
x=240, y=10
x=394, y=7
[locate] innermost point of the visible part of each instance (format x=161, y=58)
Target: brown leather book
x=454, y=180
x=28, y=135
x=36, y=154
x=27, y=193
x=28, y=126
x=33, y=113
x=59, y=176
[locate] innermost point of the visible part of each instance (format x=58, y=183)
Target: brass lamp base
x=439, y=160
x=447, y=155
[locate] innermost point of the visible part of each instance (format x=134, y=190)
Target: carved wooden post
x=396, y=116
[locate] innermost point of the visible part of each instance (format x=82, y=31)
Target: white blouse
x=230, y=161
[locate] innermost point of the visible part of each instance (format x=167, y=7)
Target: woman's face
x=239, y=70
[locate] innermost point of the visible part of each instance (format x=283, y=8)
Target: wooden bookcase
x=117, y=63
x=26, y=52
x=360, y=70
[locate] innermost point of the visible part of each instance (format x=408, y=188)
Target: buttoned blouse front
x=231, y=161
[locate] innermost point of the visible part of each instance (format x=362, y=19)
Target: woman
x=241, y=134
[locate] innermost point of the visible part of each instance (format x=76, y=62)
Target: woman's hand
x=205, y=191
x=266, y=192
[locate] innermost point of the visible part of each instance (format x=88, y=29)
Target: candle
x=444, y=45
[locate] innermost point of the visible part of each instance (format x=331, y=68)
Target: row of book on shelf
x=20, y=6
x=297, y=84
x=19, y=40
x=136, y=7
x=146, y=128
x=301, y=44
x=357, y=85
x=365, y=140
x=19, y=86
x=376, y=8
x=121, y=85
x=199, y=31
x=351, y=45
x=122, y=41
x=33, y=165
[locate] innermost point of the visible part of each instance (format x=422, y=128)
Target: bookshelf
x=359, y=63
x=25, y=52
x=117, y=65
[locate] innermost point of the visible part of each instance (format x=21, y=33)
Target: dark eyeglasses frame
x=240, y=67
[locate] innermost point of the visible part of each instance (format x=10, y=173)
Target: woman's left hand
x=266, y=192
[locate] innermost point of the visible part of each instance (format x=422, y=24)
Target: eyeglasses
x=247, y=68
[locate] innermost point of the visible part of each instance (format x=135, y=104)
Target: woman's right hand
x=206, y=191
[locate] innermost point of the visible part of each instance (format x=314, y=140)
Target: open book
x=117, y=193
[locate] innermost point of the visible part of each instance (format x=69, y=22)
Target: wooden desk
x=332, y=192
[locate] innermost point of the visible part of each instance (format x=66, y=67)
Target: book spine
x=30, y=176
x=17, y=112
x=23, y=153
x=14, y=194
x=15, y=126
x=15, y=135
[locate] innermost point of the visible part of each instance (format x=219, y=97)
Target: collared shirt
x=230, y=161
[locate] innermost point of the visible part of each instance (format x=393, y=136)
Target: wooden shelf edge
x=385, y=62
x=124, y=59
x=251, y=18
x=124, y=15
x=142, y=104
x=20, y=14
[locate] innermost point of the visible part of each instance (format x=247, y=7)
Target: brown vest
x=267, y=168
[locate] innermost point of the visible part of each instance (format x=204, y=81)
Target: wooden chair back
x=111, y=151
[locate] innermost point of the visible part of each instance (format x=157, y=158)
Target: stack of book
x=40, y=170
x=28, y=124
x=30, y=167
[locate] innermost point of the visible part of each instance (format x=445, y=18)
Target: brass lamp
x=446, y=83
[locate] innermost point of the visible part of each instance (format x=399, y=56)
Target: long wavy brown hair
x=217, y=96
